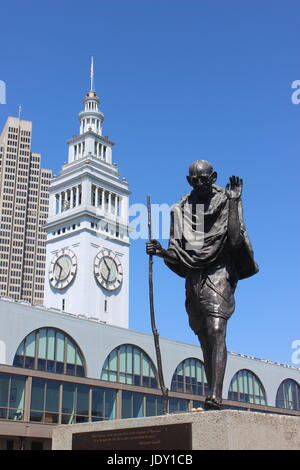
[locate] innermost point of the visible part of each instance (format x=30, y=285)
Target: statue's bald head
x=201, y=177
x=200, y=166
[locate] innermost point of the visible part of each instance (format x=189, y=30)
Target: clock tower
x=87, y=229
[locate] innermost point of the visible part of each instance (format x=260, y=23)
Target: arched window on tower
x=246, y=387
x=288, y=395
x=51, y=350
x=129, y=364
x=189, y=377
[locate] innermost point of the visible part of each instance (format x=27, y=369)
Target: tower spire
x=91, y=117
x=92, y=74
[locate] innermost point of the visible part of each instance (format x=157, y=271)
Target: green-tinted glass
x=145, y=367
x=110, y=404
x=137, y=361
x=82, y=406
x=52, y=396
x=150, y=405
x=78, y=358
x=257, y=390
x=37, y=394
x=179, y=370
x=193, y=368
x=113, y=360
x=51, y=343
x=244, y=382
x=129, y=359
x=42, y=343
x=122, y=378
x=4, y=388
x=20, y=351
x=68, y=402
x=126, y=404
x=104, y=375
x=60, y=347
x=71, y=352
x=112, y=376
x=30, y=345
x=98, y=402
x=138, y=408
x=17, y=390
x=234, y=384
x=122, y=359
x=251, y=381
x=199, y=372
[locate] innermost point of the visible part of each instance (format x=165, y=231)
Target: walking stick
x=164, y=390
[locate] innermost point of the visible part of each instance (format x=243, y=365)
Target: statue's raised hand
x=234, y=188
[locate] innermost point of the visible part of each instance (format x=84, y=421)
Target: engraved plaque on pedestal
x=168, y=437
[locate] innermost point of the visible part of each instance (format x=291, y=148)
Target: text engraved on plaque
x=168, y=437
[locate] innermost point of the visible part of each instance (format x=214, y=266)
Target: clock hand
x=61, y=268
x=64, y=272
x=105, y=262
x=108, y=269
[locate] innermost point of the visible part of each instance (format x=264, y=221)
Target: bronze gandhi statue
x=211, y=263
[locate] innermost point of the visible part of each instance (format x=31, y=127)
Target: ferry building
x=73, y=359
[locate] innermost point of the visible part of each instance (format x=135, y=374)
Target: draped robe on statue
x=199, y=237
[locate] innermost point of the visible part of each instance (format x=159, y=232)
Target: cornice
x=77, y=138
x=70, y=215
x=93, y=168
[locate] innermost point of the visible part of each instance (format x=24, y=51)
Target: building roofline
x=97, y=321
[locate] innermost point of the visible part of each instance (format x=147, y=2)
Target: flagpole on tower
x=92, y=74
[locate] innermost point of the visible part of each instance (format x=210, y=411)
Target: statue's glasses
x=203, y=179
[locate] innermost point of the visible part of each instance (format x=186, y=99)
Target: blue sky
x=179, y=80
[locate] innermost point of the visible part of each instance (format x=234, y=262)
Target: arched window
x=288, y=395
x=246, y=387
x=189, y=377
x=129, y=364
x=51, y=350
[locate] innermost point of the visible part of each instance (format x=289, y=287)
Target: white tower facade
x=87, y=259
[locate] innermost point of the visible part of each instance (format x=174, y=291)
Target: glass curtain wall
x=51, y=350
x=137, y=405
x=189, y=377
x=79, y=403
x=129, y=365
x=246, y=387
x=45, y=401
x=12, y=393
x=288, y=395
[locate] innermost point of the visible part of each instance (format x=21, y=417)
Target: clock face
x=108, y=270
x=62, y=269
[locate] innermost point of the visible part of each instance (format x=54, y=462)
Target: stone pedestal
x=207, y=430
